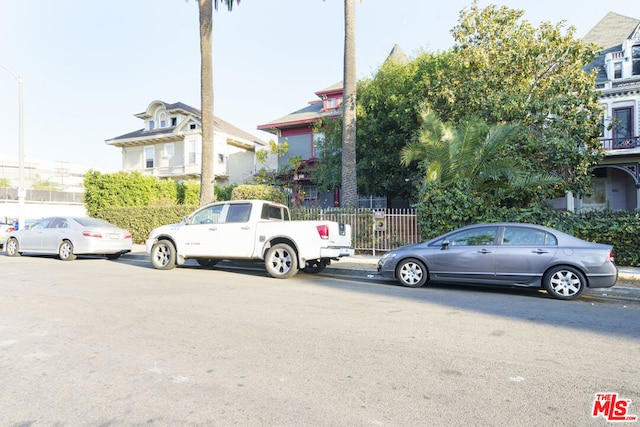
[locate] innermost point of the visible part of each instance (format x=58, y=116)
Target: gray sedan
x=68, y=237
x=512, y=254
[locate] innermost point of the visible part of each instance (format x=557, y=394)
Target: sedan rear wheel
x=11, y=246
x=65, y=251
x=564, y=282
x=163, y=255
x=412, y=273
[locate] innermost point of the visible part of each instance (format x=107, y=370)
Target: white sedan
x=68, y=237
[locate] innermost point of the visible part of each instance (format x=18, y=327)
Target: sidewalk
x=367, y=265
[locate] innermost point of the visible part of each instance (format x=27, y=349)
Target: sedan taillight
x=127, y=236
x=323, y=231
x=609, y=257
x=92, y=234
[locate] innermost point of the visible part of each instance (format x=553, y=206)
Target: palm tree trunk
x=349, y=179
x=207, y=177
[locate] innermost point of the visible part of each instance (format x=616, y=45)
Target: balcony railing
x=621, y=143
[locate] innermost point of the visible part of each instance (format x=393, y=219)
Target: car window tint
x=91, y=222
x=271, y=212
x=42, y=223
x=481, y=236
x=527, y=237
x=238, y=213
x=210, y=215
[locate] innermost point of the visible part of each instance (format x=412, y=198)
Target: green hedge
x=444, y=211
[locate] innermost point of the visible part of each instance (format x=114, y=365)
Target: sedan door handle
x=485, y=251
x=213, y=229
x=539, y=251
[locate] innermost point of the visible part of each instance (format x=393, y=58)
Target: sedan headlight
x=389, y=255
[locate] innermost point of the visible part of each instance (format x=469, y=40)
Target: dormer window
x=635, y=56
x=163, y=120
x=174, y=121
x=152, y=125
x=192, y=126
x=617, y=70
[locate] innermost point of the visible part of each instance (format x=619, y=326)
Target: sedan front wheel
x=412, y=273
x=564, y=282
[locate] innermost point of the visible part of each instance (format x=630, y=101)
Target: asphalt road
x=101, y=343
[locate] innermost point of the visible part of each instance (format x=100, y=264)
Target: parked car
x=70, y=236
x=4, y=230
x=512, y=254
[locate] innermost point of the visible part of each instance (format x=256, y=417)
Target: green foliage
x=140, y=220
x=224, y=193
x=501, y=70
x=444, y=210
x=126, y=189
x=189, y=192
x=328, y=149
x=477, y=157
x=259, y=192
x=269, y=177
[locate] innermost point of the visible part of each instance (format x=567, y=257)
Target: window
x=169, y=150
x=148, y=157
x=163, y=120
x=210, y=215
x=527, y=236
x=238, y=213
x=152, y=125
x=635, y=56
x=220, y=158
x=192, y=126
x=174, y=121
x=617, y=70
x=310, y=192
x=481, y=236
x=192, y=154
x=272, y=212
x=622, y=125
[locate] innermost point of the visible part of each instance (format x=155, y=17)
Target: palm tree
x=474, y=156
x=207, y=178
x=349, y=178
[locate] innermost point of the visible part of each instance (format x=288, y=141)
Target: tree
x=478, y=159
x=501, y=69
x=349, y=175
x=207, y=178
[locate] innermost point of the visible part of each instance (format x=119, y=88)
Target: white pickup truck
x=250, y=230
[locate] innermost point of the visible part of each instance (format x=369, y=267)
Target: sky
x=89, y=66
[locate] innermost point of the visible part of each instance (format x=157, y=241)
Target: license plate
x=114, y=236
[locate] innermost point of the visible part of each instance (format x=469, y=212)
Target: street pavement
x=367, y=266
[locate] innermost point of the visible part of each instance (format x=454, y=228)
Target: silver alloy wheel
x=65, y=251
x=12, y=247
x=564, y=283
x=163, y=255
x=281, y=261
x=411, y=273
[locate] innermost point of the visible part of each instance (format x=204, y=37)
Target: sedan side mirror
x=445, y=245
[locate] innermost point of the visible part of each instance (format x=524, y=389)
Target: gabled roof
x=193, y=115
x=609, y=34
x=612, y=30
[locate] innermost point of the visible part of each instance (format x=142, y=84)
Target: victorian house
x=616, y=180
x=170, y=146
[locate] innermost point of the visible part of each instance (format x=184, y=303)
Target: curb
x=366, y=270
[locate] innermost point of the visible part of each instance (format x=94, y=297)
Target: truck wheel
x=163, y=255
x=207, y=262
x=281, y=261
x=316, y=266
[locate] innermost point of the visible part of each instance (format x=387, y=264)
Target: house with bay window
x=170, y=146
x=616, y=180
